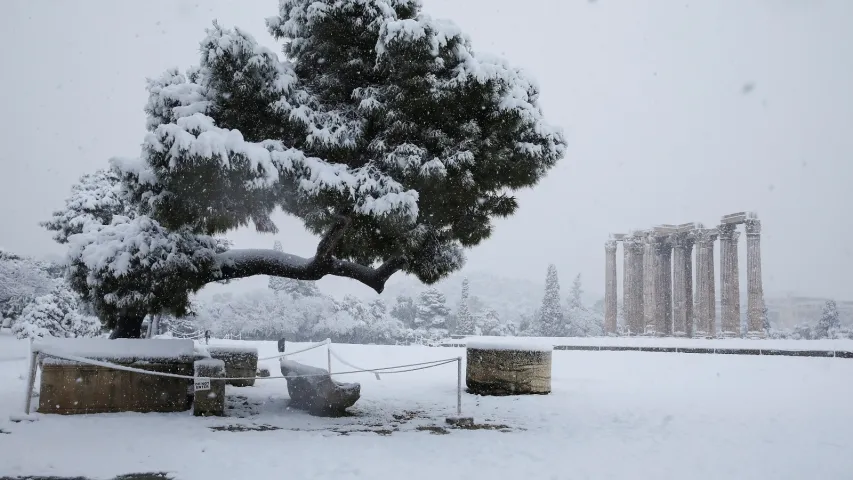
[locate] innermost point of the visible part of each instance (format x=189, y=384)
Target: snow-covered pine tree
x=765, y=321
x=432, y=310
x=575, y=293
x=383, y=131
x=551, y=322
x=580, y=320
x=55, y=314
x=528, y=325
x=829, y=321
x=464, y=319
x=293, y=287
x=405, y=311
x=488, y=322
x=377, y=308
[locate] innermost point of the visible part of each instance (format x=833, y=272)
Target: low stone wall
x=73, y=388
x=707, y=350
x=240, y=362
x=505, y=371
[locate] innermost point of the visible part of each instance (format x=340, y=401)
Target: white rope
x=89, y=361
x=98, y=363
x=338, y=358
x=316, y=345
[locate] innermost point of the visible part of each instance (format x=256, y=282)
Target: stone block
x=735, y=218
x=210, y=399
x=507, y=369
x=312, y=389
x=240, y=362
x=71, y=387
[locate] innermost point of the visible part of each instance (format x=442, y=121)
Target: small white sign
x=202, y=384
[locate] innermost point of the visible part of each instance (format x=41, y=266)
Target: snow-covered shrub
x=21, y=280
x=56, y=314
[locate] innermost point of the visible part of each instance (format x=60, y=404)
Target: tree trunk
x=155, y=325
x=128, y=326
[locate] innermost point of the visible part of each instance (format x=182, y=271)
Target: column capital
x=662, y=246
x=610, y=246
x=681, y=240
x=633, y=243
x=706, y=236
x=727, y=230
x=753, y=226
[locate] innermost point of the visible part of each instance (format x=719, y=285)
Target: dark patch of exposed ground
x=129, y=476
x=394, y=424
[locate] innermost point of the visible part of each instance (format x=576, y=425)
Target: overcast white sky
x=651, y=94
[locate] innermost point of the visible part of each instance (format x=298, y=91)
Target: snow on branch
x=171, y=96
x=127, y=244
x=515, y=92
x=93, y=200
x=195, y=140
x=437, y=33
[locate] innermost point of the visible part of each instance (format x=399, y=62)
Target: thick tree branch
x=246, y=263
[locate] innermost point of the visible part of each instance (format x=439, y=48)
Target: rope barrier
x=338, y=358
x=316, y=345
x=98, y=363
x=411, y=367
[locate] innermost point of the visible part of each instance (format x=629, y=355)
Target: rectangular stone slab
x=71, y=388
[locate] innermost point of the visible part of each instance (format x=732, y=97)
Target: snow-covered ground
x=628, y=415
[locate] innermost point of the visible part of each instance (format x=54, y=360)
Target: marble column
x=650, y=280
x=754, y=288
x=627, y=283
x=688, y=285
x=639, y=286
x=663, y=288
x=610, y=303
x=705, y=291
x=735, y=280
x=729, y=311
x=711, y=288
x=699, y=314
x=632, y=302
x=679, y=285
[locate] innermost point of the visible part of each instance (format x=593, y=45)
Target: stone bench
x=240, y=362
x=316, y=392
x=70, y=387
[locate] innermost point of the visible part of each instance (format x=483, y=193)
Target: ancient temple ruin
x=659, y=296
